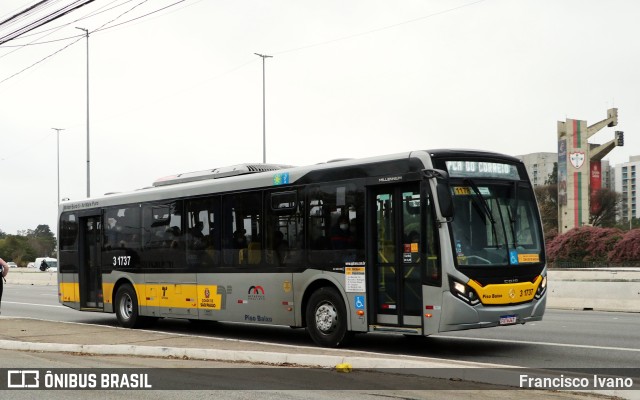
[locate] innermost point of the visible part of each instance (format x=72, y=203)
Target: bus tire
x=127, y=310
x=326, y=318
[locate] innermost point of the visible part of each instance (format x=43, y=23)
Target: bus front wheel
x=326, y=318
x=127, y=308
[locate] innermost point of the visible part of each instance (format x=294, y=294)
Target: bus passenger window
x=285, y=229
x=68, y=232
x=121, y=236
x=203, y=232
x=163, y=240
x=242, y=229
x=335, y=235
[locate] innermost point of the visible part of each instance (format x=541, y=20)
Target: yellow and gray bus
x=414, y=243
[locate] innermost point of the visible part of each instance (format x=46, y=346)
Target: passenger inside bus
x=341, y=237
x=239, y=239
x=196, y=237
x=280, y=247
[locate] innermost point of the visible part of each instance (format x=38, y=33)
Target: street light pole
x=58, y=157
x=264, y=124
x=86, y=31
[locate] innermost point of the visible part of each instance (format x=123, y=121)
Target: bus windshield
x=495, y=223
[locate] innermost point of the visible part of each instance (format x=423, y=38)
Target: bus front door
x=90, y=262
x=397, y=240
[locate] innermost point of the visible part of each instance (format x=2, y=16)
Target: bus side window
x=163, y=241
x=203, y=232
x=285, y=229
x=68, y=244
x=336, y=234
x=242, y=229
x=122, y=235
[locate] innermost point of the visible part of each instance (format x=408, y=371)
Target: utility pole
x=264, y=124
x=86, y=31
x=58, y=157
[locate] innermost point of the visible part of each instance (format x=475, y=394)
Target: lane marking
x=579, y=346
x=32, y=304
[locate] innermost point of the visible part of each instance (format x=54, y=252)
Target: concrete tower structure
x=579, y=168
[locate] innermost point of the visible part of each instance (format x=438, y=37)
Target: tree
x=552, y=179
x=547, y=197
x=17, y=248
x=42, y=240
x=605, y=206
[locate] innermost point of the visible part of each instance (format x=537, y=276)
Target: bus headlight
x=541, y=288
x=463, y=292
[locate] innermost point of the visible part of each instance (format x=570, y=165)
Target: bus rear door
x=396, y=240
x=90, y=277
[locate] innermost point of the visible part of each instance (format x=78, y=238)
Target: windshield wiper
x=484, y=207
x=513, y=215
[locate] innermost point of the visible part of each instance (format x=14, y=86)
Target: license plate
x=508, y=319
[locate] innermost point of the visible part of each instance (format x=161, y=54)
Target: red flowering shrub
x=627, y=249
x=584, y=244
x=602, y=242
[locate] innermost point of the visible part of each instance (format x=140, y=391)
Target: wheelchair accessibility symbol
x=359, y=300
x=513, y=255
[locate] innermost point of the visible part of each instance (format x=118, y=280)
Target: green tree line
x=27, y=245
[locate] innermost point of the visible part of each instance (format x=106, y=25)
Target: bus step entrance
x=395, y=329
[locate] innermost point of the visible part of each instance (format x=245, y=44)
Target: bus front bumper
x=460, y=315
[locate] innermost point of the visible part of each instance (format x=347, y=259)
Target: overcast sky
x=181, y=90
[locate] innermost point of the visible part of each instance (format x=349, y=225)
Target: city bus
x=415, y=243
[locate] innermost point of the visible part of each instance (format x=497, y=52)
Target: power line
x=44, y=20
x=142, y=16
x=41, y=60
x=383, y=28
x=24, y=12
x=91, y=14
x=103, y=28
x=95, y=30
x=70, y=44
x=35, y=42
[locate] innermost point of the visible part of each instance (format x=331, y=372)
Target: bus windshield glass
x=495, y=219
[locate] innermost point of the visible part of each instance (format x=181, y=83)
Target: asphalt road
x=255, y=382
x=564, y=339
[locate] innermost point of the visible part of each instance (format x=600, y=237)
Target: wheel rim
x=326, y=318
x=126, y=306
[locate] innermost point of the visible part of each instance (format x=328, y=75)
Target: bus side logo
x=256, y=293
x=256, y=290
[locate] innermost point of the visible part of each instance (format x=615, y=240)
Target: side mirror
x=443, y=191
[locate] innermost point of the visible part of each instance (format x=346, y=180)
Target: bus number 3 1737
x=122, y=261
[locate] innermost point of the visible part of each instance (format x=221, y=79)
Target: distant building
x=539, y=166
x=627, y=181
x=607, y=175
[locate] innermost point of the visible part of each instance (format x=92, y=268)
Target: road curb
x=254, y=357
x=449, y=370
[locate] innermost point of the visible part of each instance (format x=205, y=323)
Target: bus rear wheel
x=127, y=310
x=326, y=318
